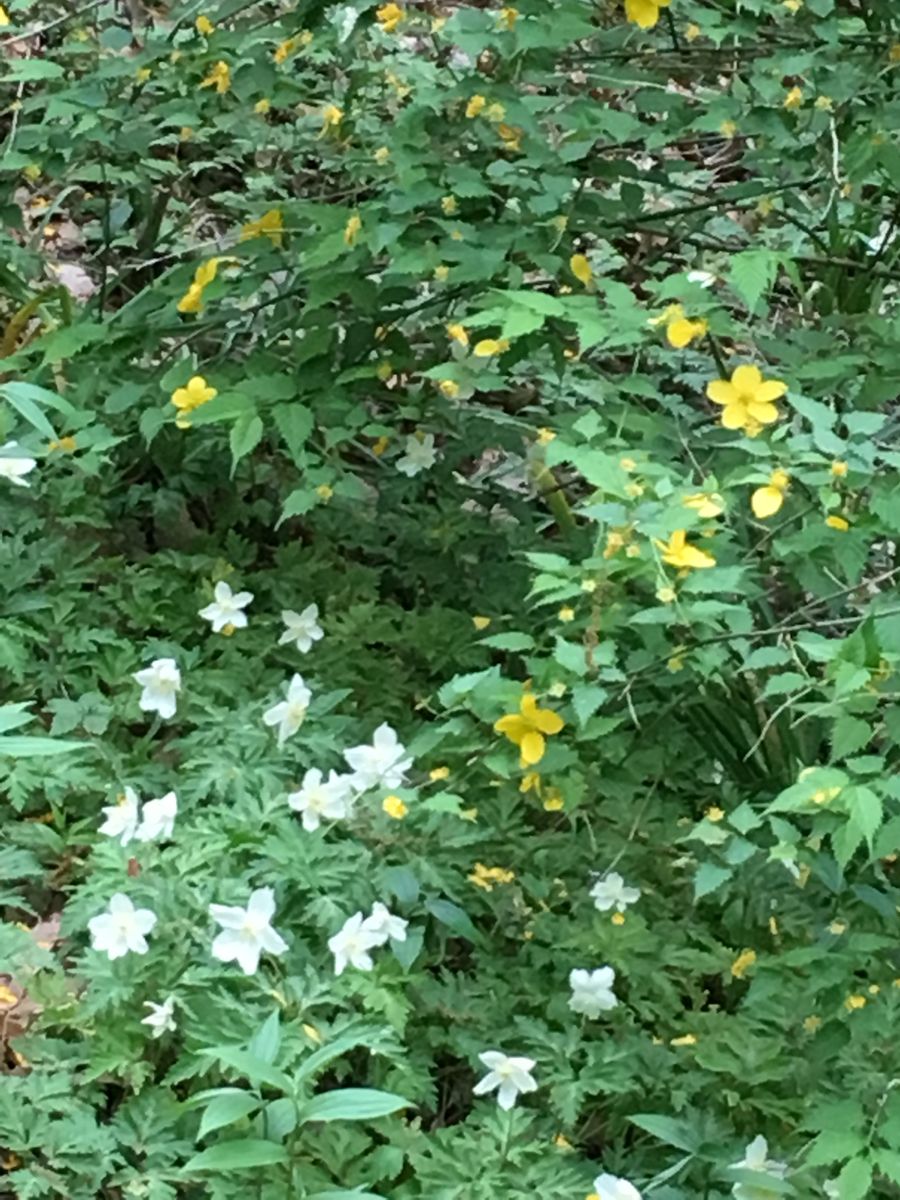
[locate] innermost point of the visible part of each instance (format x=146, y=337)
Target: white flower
x=592, y=991
x=319, y=799
x=612, y=1187
x=704, y=278
x=756, y=1159
x=246, y=932
x=382, y=924
x=162, y=1016
x=227, y=608
x=885, y=236
x=288, y=715
x=351, y=945
x=15, y=463
x=161, y=683
x=381, y=764
x=611, y=892
x=510, y=1076
x=302, y=628
x=159, y=818
x=122, y=818
x=420, y=454
x=122, y=928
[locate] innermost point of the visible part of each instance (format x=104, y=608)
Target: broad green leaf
x=751, y=275
x=226, y=1109
x=265, y=1043
x=35, y=747
x=245, y=435
x=352, y=1104
x=250, y=1067
x=243, y=1155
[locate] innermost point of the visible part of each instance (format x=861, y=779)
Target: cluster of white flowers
x=358, y=935
x=126, y=821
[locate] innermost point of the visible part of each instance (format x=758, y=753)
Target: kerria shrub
x=450, y=724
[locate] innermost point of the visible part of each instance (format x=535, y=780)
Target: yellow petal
x=679, y=333
x=734, y=416
x=531, y=747
x=581, y=269
x=746, y=379
x=766, y=501
x=765, y=414
x=644, y=13
x=548, y=721
x=720, y=391
x=769, y=390
x=512, y=726
x=694, y=557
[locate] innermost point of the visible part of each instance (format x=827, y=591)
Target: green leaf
x=586, y=699
x=14, y=715
x=226, y=1109
x=237, y=1156
x=300, y=501
x=36, y=747
x=30, y=70
x=708, y=879
x=346, y=1194
x=245, y=435
x=23, y=397
x=454, y=918
x=250, y=1067
x=855, y=1179
x=266, y=1041
x=866, y=810
x=508, y=641
x=752, y=274
x=295, y=424
x=352, y=1104
x=669, y=1130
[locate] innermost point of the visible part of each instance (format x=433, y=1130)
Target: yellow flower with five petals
x=528, y=728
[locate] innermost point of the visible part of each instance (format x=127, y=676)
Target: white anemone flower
x=613, y=1187
x=511, y=1077
x=420, y=454
x=884, y=237
x=161, y=683
x=301, y=628
x=756, y=1158
x=122, y=818
x=158, y=823
x=351, y=945
x=162, y=1016
x=15, y=464
x=592, y=991
x=383, y=924
x=611, y=892
x=319, y=799
x=383, y=764
x=122, y=928
x=227, y=609
x=247, y=932
x=289, y=714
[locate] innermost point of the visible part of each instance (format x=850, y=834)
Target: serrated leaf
x=752, y=274
x=708, y=879
x=508, y=641
x=244, y=436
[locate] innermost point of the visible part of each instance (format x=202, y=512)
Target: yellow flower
x=692, y=32
x=511, y=136
x=262, y=106
x=495, y=112
x=837, y=523
x=486, y=877
x=218, y=77
x=324, y=492
x=489, y=347
x=270, y=225
x=837, y=927
x=562, y=1143
x=389, y=16
x=449, y=205
x=284, y=50
x=32, y=172
x=766, y=501
x=854, y=1002
x=442, y=273
x=680, y=329
x=742, y=964
x=527, y=727
x=566, y=613
x=666, y=595
x=793, y=5
x=381, y=155
x=824, y=103
x=728, y=129
x=545, y=436
x=839, y=468
x=688, y=1039
x=747, y=399
x=439, y=773
x=475, y=106
x=186, y=399
x=811, y=1024
x=67, y=445
x=553, y=800
x=449, y=388
x=678, y=552
x=331, y=117
x=185, y=133
x=143, y=74
x=531, y=782
x=618, y=918
x=204, y=25
x=481, y=623
x=794, y=98
x=705, y=504
x=4, y=16
x=644, y=13
x=394, y=807
x=381, y=445
x=581, y=269
x=715, y=814
x=352, y=229
x=458, y=334
x=508, y=17
x=192, y=300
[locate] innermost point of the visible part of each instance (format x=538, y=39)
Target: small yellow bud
x=394, y=807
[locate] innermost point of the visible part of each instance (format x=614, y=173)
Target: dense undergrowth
x=450, y=630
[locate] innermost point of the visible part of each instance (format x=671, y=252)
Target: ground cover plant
x=450, y=499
